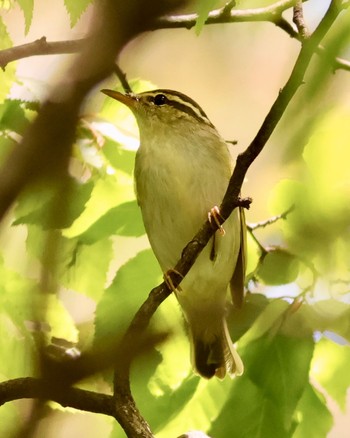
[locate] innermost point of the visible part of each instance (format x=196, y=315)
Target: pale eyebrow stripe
x=181, y=102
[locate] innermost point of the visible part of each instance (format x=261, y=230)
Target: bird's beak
x=127, y=99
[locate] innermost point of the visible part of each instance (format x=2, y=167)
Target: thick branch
x=66, y=396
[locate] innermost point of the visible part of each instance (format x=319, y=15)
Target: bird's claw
x=169, y=281
x=215, y=216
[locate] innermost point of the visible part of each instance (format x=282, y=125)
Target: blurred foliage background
x=78, y=268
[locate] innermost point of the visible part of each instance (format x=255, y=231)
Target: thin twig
x=271, y=13
x=270, y=221
x=220, y=16
x=298, y=20
x=40, y=47
x=122, y=77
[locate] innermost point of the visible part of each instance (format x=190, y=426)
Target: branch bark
x=31, y=387
x=40, y=47
x=272, y=13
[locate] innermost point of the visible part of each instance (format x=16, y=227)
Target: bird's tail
x=213, y=354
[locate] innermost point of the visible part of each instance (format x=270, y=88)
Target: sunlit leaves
x=87, y=270
x=108, y=192
x=207, y=401
x=278, y=267
x=124, y=220
x=7, y=76
x=330, y=367
x=262, y=402
x=318, y=226
x=38, y=205
x=128, y=290
x=313, y=417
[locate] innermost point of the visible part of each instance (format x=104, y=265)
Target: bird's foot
x=215, y=216
x=169, y=281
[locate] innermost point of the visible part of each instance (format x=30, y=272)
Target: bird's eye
x=160, y=99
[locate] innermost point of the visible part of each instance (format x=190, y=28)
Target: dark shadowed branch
x=44, y=152
x=35, y=388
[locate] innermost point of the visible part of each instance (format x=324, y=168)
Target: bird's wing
x=237, y=280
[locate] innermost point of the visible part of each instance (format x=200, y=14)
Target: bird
x=182, y=170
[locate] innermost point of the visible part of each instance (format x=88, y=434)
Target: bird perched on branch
x=182, y=170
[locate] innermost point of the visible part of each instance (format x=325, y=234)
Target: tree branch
x=298, y=20
x=272, y=13
x=271, y=220
x=66, y=396
x=40, y=47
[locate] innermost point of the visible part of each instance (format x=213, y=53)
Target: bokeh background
x=234, y=72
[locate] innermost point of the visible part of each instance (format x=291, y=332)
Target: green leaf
x=21, y=299
x=330, y=367
x=123, y=298
x=123, y=220
x=8, y=75
x=108, y=192
x=240, y=320
x=27, y=7
x=119, y=157
x=75, y=9
x=38, y=205
x=60, y=321
x=203, y=9
x=333, y=315
x=262, y=402
x=314, y=419
x=17, y=295
x=85, y=268
x=12, y=116
x=318, y=226
x=279, y=365
x=249, y=413
x=278, y=267
x=269, y=317
x=206, y=403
